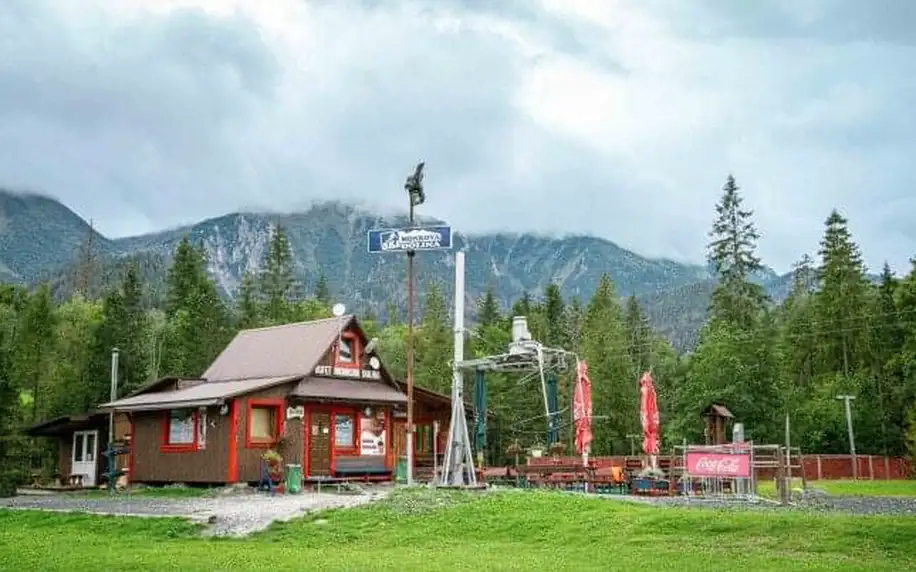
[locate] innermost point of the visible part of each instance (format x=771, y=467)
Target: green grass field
x=848, y=488
x=428, y=530
x=147, y=492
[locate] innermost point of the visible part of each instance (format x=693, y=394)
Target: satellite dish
x=371, y=346
x=338, y=310
x=374, y=363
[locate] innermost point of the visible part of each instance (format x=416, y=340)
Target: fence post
x=887, y=468
x=871, y=468
x=820, y=473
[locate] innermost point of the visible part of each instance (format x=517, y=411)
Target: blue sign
x=407, y=239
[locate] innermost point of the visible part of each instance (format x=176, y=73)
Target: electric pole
x=852, y=439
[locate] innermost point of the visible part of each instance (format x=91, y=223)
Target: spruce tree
x=639, y=336
x=247, y=306
x=278, y=285
x=322, y=290
x=198, y=321
x=34, y=346
x=614, y=389
x=732, y=253
x=842, y=300
x=488, y=309
x=433, y=342
x=554, y=309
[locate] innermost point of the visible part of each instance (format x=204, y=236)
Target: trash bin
x=400, y=473
x=294, y=479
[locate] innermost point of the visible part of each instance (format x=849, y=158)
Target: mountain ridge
x=330, y=239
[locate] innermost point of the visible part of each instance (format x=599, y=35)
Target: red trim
x=233, y=473
x=389, y=440
x=306, y=442
x=355, y=348
x=166, y=447
x=130, y=457
x=278, y=405
x=354, y=448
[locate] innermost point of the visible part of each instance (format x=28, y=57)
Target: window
x=181, y=427
x=345, y=431
x=179, y=430
x=348, y=350
x=265, y=422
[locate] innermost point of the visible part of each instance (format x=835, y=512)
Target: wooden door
x=399, y=440
x=319, y=444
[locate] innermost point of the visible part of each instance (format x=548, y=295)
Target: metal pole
x=409, y=343
x=852, y=439
x=788, y=450
x=114, y=396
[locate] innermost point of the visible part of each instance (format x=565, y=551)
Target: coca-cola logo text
x=718, y=465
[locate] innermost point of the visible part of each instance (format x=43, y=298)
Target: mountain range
x=41, y=239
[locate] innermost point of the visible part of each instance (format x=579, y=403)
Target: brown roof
x=68, y=423
x=717, y=409
x=276, y=351
x=329, y=389
x=200, y=395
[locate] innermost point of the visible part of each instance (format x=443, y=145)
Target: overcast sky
x=615, y=118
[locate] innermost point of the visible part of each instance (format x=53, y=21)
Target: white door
x=85, y=452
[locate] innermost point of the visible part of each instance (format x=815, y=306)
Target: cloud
x=611, y=117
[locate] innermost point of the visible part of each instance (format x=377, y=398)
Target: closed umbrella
x=648, y=413
x=582, y=411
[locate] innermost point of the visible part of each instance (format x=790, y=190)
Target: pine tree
x=614, y=390
x=247, y=307
x=841, y=300
x=639, y=336
x=732, y=253
x=573, y=318
x=488, y=309
x=887, y=340
x=554, y=309
x=10, y=476
x=432, y=364
x=34, y=348
x=278, y=286
x=322, y=290
x=197, y=327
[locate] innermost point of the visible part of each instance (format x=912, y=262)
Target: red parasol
x=648, y=413
x=582, y=409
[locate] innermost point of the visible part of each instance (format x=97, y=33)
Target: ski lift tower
x=525, y=356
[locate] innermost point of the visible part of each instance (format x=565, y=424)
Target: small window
x=263, y=423
x=345, y=354
x=345, y=431
x=182, y=427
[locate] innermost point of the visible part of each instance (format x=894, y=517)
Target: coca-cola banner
x=701, y=464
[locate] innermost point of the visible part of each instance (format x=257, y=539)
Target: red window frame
x=353, y=448
x=165, y=446
x=278, y=405
x=354, y=348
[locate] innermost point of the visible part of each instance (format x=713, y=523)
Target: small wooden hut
x=717, y=417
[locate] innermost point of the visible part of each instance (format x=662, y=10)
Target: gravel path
x=817, y=502
x=228, y=515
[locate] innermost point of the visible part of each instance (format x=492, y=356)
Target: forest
x=838, y=332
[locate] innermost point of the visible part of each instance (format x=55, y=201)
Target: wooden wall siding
x=66, y=458
x=209, y=465
x=250, y=459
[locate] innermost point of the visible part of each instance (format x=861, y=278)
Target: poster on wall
x=372, y=433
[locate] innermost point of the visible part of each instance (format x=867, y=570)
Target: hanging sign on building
x=351, y=372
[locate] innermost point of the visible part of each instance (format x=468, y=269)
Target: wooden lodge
x=309, y=391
